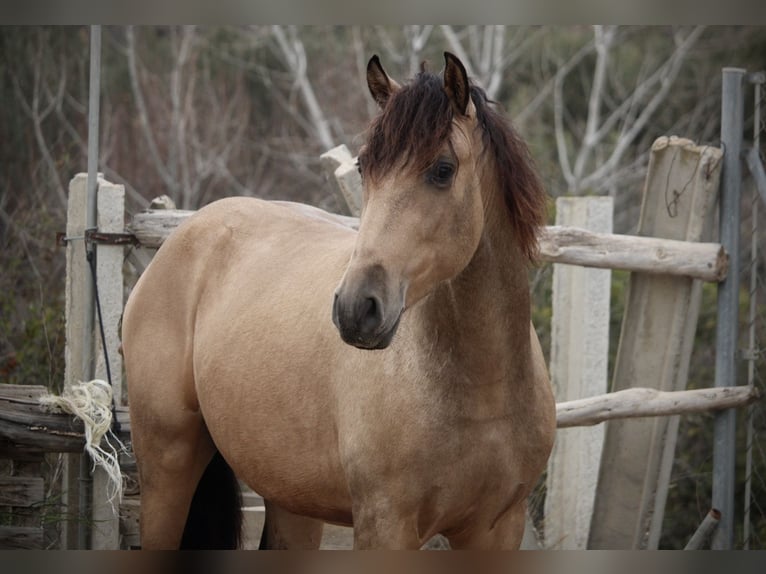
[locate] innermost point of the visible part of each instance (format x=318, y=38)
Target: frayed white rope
x=91, y=402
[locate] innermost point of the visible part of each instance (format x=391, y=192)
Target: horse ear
x=456, y=83
x=381, y=86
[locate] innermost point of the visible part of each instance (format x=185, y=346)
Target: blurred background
x=200, y=113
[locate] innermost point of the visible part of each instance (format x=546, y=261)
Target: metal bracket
x=95, y=236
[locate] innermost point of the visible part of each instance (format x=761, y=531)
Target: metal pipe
x=91, y=222
x=724, y=428
x=703, y=531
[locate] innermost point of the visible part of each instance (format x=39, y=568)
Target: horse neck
x=479, y=321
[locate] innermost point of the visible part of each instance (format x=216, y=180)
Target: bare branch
x=498, y=63
x=551, y=85
x=485, y=56
x=488, y=63
x=143, y=115
x=670, y=71
x=295, y=57
x=422, y=38
x=70, y=130
x=361, y=58
x=37, y=118
x=521, y=47
x=457, y=47
x=188, y=188
x=558, y=124
x=603, y=39
x=389, y=45
x=417, y=37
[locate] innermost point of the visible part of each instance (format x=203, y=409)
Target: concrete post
x=579, y=355
x=105, y=534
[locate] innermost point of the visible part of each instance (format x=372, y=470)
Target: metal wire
x=755, y=415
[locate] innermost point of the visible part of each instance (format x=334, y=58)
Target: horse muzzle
x=364, y=320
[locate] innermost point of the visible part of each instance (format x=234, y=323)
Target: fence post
x=724, y=442
x=339, y=165
x=579, y=356
x=105, y=533
x=655, y=346
x=76, y=278
x=105, y=530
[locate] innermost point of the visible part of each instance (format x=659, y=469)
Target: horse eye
x=358, y=166
x=441, y=174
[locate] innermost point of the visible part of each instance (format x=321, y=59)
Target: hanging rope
x=92, y=402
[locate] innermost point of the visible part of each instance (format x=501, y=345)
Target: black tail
x=215, y=515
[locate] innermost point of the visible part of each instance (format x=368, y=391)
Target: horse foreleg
x=283, y=530
x=505, y=534
x=378, y=525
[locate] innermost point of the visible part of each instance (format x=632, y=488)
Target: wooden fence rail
x=26, y=426
x=21, y=492
x=558, y=244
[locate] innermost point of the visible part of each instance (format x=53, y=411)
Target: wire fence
x=754, y=277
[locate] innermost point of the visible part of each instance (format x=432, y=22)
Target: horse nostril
x=371, y=315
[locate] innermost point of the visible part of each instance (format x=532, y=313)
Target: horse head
x=423, y=214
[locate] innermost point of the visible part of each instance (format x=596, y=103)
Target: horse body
x=430, y=413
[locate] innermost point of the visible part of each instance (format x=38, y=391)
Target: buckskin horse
x=387, y=378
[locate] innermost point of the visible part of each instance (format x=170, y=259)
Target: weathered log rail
x=558, y=244
x=574, y=246
x=26, y=426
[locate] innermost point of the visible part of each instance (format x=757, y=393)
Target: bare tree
x=591, y=150
x=290, y=47
x=38, y=107
x=597, y=146
x=488, y=52
x=193, y=132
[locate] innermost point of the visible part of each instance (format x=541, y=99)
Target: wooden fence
x=667, y=270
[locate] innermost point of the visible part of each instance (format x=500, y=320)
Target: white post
x=105, y=534
x=76, y=275
x=579, y=354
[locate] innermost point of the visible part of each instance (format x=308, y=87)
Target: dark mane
x=522, y=188
x=411, y=129
x=416, y=122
